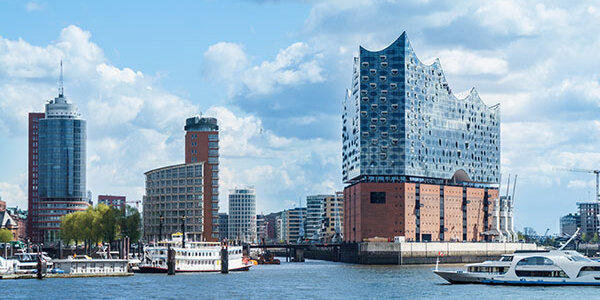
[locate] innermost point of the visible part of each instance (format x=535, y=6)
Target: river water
x=310, y=280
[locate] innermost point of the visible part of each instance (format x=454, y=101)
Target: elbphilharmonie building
x=404, y=129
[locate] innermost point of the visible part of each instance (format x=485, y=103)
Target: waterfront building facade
x=333, y=218
x=242, y=215
x=223, y=226
x=119, y=202
x=174, y=195
x=20, y=217
x=57, y=167
x=202, y=144
x=315, y=209
x=569, y=224
x=293, y=222
x=589, y=213
x=271, y=228
x=420, y=161
x=2, y=205
x=261, y=229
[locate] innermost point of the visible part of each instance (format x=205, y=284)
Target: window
x=378, y=197
x=535, y=261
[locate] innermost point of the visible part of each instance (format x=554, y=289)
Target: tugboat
x=194, y=257
x=535, y=267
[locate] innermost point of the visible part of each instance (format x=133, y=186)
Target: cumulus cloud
x=464, y=62
x=13, y=194
x=228, y=63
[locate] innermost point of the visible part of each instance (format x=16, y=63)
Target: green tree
x=130, y=223
x=584, y=237
x=595, y=238
x=5, y=236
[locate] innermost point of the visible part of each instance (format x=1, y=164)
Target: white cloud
x=33, y=6
x=465, y=62
x=13, y=194
x=295, y=65
x=133, y=125
x=506, y=17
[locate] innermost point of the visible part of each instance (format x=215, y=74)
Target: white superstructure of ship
x=194, y=257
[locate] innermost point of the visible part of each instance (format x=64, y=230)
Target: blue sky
x=274, y=73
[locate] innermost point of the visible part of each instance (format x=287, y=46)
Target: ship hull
x=456, y=277
x=143, y=269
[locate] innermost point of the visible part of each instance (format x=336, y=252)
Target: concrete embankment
x=410, y=253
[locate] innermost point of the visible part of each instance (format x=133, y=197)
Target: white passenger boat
x=27, y=262
x=194, y=257
x=7, y=265
x=543, y=267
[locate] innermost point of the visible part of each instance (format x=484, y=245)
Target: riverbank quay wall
x=411, y=253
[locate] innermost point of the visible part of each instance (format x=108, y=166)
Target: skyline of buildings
x=419, y=161
x=485, y=171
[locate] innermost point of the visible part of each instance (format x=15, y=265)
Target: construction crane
x=597, y=172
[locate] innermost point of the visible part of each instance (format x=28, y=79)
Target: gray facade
x=293, y=225
x=401, y=119
x=589, y=213
x=569, y=224
x=223, y=226
x=174, y=192
x=315, y=210
x=61, y=168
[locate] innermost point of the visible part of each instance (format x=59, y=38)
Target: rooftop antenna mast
x=61, y=89
x=508, y=187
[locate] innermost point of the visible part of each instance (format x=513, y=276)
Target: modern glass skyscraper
x=401, y=118
x=61, y=169
x=420, y=161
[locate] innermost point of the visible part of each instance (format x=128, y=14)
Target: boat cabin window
x=587, y=269
x=522, y=273
x=535, y=261
x=506, y=258
x=490, y=270
x=578, y=258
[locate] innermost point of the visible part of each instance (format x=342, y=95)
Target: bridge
x=295, y=252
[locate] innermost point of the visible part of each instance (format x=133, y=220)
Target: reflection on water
x=312, y=279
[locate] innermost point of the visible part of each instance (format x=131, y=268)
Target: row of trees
x=101, y=224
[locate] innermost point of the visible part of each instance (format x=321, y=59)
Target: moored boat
x=535, y=267
x=194, y=257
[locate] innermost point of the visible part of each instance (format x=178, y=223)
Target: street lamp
x=183, y=231
x=160, y=227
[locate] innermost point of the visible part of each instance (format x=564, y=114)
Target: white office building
x=242, y=215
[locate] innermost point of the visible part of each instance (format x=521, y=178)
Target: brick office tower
x=32, y=192
x=202, y=144
x=419, y=161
